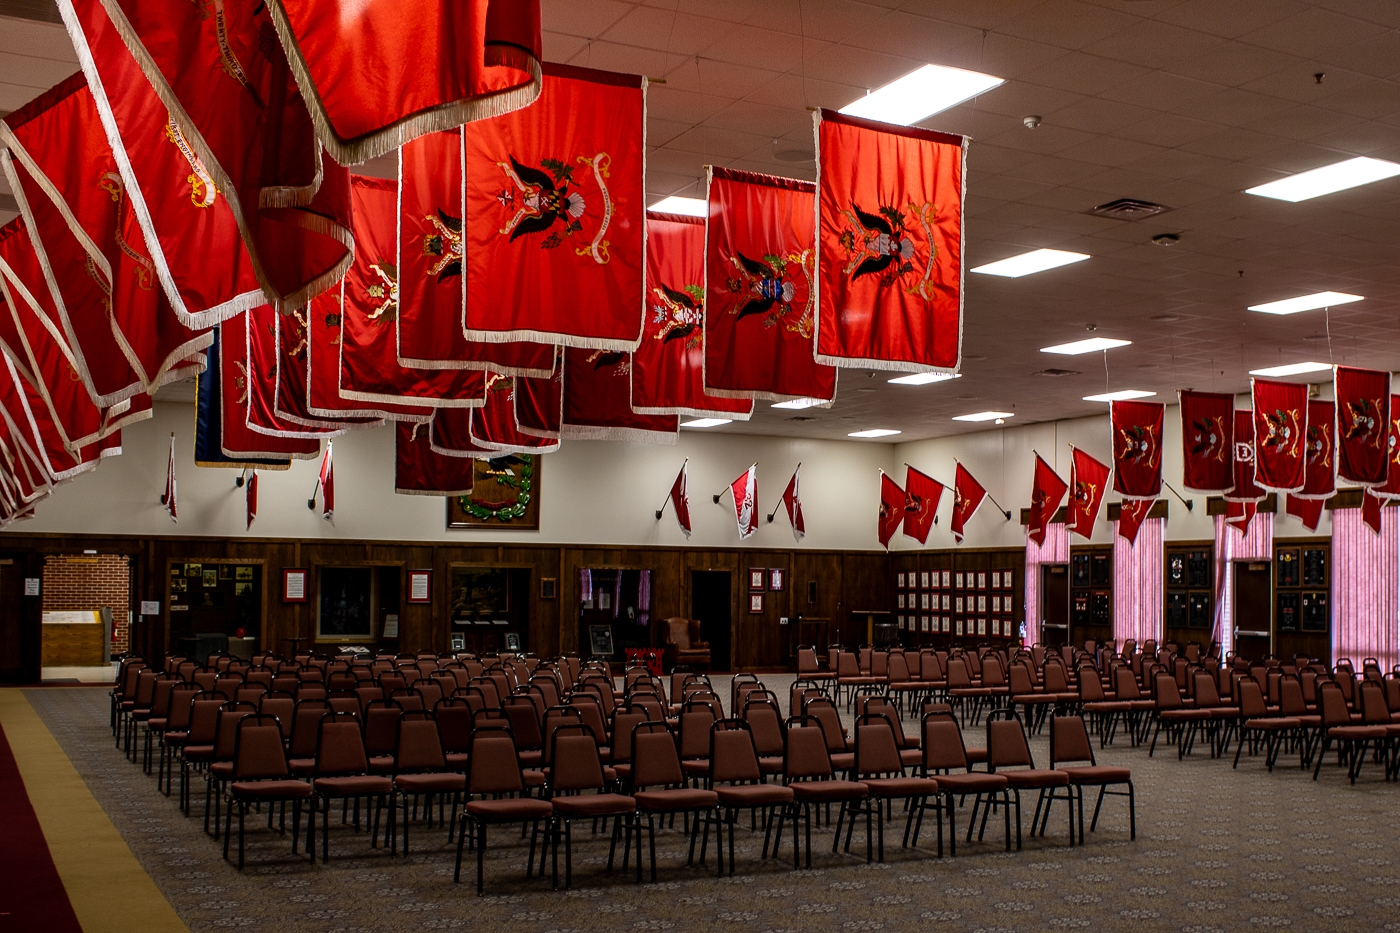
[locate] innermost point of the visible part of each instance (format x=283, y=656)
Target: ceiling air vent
x=1128, y=209
x=802, y=418
x=1057, y=372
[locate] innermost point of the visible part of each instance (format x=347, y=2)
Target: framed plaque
x=420, y=586
x=293, y=585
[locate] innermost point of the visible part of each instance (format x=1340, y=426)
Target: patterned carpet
x=1217, y=850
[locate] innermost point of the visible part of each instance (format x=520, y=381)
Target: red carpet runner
x=32, y=895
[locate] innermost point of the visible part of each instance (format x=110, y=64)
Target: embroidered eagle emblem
x=384, y=289
x=541, y=199
x=604, y=358
x=1138, y=444
x=1282, y=435
x=443, y=243
x=776, y=288
x=1362, y=420
x=1208, y=438
x=678, y=315
x=1319, y=445
x=878, y=244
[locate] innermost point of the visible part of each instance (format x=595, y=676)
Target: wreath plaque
x=505, y=494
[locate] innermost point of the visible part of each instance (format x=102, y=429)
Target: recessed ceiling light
x=675, y=204
x=1336, y=177
x=1013, y=267
x=984, y=416
x=1166, y=318
x=706, y=422
x=923, y=379
x=873, y=432
x=920, y=94
x=798, y=404
x=1292, y=369
x=1306, y=303
x=1122, y=395
x=1088, y=345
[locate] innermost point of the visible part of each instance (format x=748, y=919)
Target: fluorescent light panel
x=1306, y=303
x=923, y=379
x=983, y=416
x=1291, y=369
x=797, y=404
x=675, y=204
x=873, y=432
x=1122, y=395
x=1329, y=178
x=1013, y=267
x=1085, y=346
x=706, y=422
x=920, y=94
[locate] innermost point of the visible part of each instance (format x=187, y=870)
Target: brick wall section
x=89, y=582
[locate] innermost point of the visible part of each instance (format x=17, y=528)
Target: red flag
x=1280, y=432
x=292, y=360
x=1360, y=396
x=555, y=234
x=451, y=435
x=493, y=425
x=598, y=401
x=1245, y=489
x=250, y=498
x=680, y=500
x=668, y=369
x=1307, y=510
x=892, y=504
x=745, y=493
x=967, y=496
x=323, y=398
x=327, y=484
x=375, y=76
x=1391, y=489
x=1090, y=481
x=1207, y=440
x=1320, y=473
x=1137, y=448
x=792, y=501
x=1240, y=514
x=261, y=325
x=759, y=300
x=890, y=245
x=419, y=471
x=168, y=499
x=1371, y=509
x=539, y=403
x=1132, y=513
x=237, y=439
x=921, y=496
x=1047, y=492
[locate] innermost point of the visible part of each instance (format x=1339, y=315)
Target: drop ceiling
x=1184, y=103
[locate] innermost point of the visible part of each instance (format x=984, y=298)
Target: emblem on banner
x=1138, y=444
x=202, y=190
x=678, y=315
x=1319, y=445
x=540, y=200
x=296, y=324
x=1208, y=439
x=385, y=291
x=879, y=245
x=1283, y=434
x=778, y=288
x=1244, y=452
x=1361, y=420
x=1084, y=493
x=443, y=241
x=622, y=365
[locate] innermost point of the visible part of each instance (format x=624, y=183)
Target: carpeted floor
x=33, y=896
x=1217, y=850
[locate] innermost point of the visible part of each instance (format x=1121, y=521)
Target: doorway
x=710, y=603
x=1054, y=605
x=1253, y=609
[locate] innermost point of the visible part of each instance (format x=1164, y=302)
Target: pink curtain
x=1365, y=588
x=1231, y=545
x=1055, y=550
x=1137, y=584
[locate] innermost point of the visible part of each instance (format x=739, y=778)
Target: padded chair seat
x=842, y=761
x=431, y=783
x=911, y=757
x=457, y=761
x=530, y=777
x=1183, y=715
x=816, y=675
x=861, y=681
x=1357, y=733
x=510, y=810
x=695, y=767
x=222, y=770
x=1107, y=706
x=175, y=738
x=1035, y=698
x=754, y=795
x=828, y=790
x=156, y=725
x=302, y=765
x=901, y=787
x=623, y=771
x=1310, y=721
x=1141, y=706
x=1035, y=777
x=1097, y=774
x=978, y=782
x=382, y=764
x=1274, y=724
x=906, y=686
x=198, y=752
x=261, y=790
x=531, y=758
x=772, y=765
x=975, y=755
x=359, y=785
x=594, y=805
x=679, y=798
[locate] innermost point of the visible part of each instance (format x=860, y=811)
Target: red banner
x=1242, y=462
x=759, y=300
x=374, y=77
x=22, y=402
x=680, y=500
x=892, y=505
x=792, y=502
x=237, y=439
x=1280, y=431
x=598, y=401
x=261, y=328
x=1137, y=448
x=1238, y=515
x=890, y=245
x=1089, y=479
x=1362, y=415
x=1207, y=440
x=555, y=233
x=1132, y=513
x=967, y=496
x=921, y=497
x=1320, y=472
x=668, y=369
x=1371, y=510
x=293, y=351
x=323, y=397
x=419, y=471
x=539, y=403
x=1047, y=492
x=493, y=425
x=745, y=493
x=1391, y=489
x=1308, y=511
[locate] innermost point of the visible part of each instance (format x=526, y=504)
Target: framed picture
x=459, y=641
x=947, y=602
x=923, y=623
x=996, y=579
x=947, y=578
x=981, y=626
x=479, y=592
x=194, y=570
x=512, y=641
x=505, y=494
x=178, y=584
x=243, y=573
x=755, y=603
x=225, y=572
x=604, y=599
x=958, y=605
x=899, y=619
x=775, y=579
x=996, y=604
x=996, y=627
x=549, y=588
x=420, y=586
x=756, y=575
x=899, y=580
x=957, y=627
x=947, y=624
x=242, y=588
x=981, y=603
x=899, y=601
x=958, y=580
x=923, y=580
x=345, y=604
x=924, y=601
x=293, y=585
x=600, y=640
x=981, y=579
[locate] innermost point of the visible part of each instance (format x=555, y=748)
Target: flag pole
x=668, y=495
x=1186, y=502
x=773, y=514
x=1005, y=512
x=311, y=503
x=163, y=496
x=719, y=494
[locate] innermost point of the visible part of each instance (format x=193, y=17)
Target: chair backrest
x=930, y=668
x=555, y=719
x=1374, y=711
x=574, y=764
x=493, y=766
x=958, y=675
x=591, y=711
x=204, y=720
x=695, y=723
x=1090, y=686
x=258, y=752
x=766, y=727
x=381, y=727
x=418, y=746
x=678, y=633
x=824, y=712
x=281, y=707
x=340, y=746
x=226, y=732
x=1006, y=743
x=1290, y=697
x=1206, y=693
x=877, y=751
x=1168, y=694
x=1125, y=685
x=524, y=720
x=1020, y=681
x=733, y=755
x=897, y=670
x=943, y=744
x=806, y=661
x=1055, y=678
x=655, y=761
x=1069, y=741
x=1251, y=699
x=145, y=688
x=1333, y=705
x=807, y=758
x=625, y=721
x=182, y=697
x=847, y=665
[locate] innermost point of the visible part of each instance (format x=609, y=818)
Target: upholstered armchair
x=683, y=644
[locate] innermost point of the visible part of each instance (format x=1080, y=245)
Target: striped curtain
x=1137, y=584
x=1055, y=550
x=1230, y=546
x=1365, y=588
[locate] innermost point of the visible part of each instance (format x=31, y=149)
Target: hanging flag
x=889, y=245
x=250, y=498
x=1207, y=440
x=1239, y=514
x=375, y=76
x=792, y=501
x=209, y=436
x=759, y=299
x=921, y=497
x=892, y=503
x=598, y=401
x=493, y=425
x=1089, y=479
x=168, y=499
x=539, y=403
x=1280, y=433
x=745, y=493
x=668, y=369
x=554, y=232
x=1309, y=511
x=419, y=471
x=326, y=481
x=261, y=326
x=1047, y=492
x=680, y=500
x=1371, y=509
x=1391, y=489
x=1242, y=461
x=292, y=345
x=1132, y=513
x=1320, y=470
x=1137, y=448
x=1362, y=415
x=237, y=387
x=967, y=496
